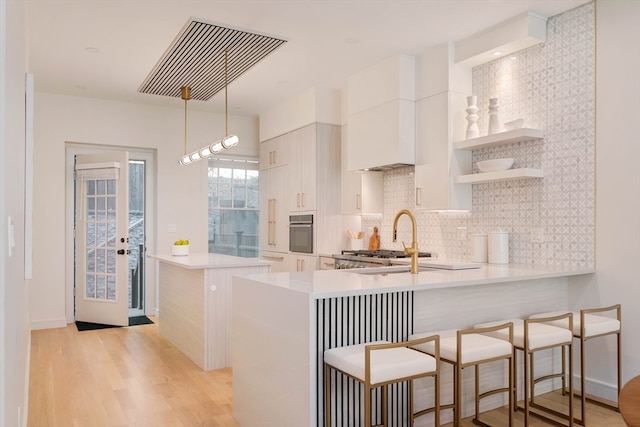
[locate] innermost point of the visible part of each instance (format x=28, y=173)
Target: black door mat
x=133, y=321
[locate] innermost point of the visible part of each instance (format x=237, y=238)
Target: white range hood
x=381, y=115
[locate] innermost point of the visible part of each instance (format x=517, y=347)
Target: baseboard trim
x=49, y=324
x=597, y=388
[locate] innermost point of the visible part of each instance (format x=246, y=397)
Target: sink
x=394, y=269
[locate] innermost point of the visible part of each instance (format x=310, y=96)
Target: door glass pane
x=100, y=239
x=100, y=286
x=136, y=271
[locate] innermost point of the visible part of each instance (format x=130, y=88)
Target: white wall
x=181, y=191
x=14, y=326
x=617, y=187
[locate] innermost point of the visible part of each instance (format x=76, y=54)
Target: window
x=233, y=206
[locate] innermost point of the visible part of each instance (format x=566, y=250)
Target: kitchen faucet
x=413, y=250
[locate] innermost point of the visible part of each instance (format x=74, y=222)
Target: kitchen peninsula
x=282, y=323
x=195, y=303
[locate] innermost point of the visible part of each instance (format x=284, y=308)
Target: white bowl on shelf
x=495, y=165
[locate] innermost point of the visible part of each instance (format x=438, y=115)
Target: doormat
x=133, y=321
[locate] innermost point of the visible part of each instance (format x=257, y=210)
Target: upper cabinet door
x=302, y=169
x=361, y=191
x=437, y=163
x=274, y=152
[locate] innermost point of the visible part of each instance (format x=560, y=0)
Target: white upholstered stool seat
x=539, y=335
x=380, y=363
x=593, y=325
x=386, y=365
x=530, y=336
x=463, y=348
x=588, y=324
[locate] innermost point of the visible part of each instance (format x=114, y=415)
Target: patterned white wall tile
x=552, y=87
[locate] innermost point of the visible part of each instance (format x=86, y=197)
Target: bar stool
x=586, y=326
x=469, y=347
x=531, y=336
x=380, y=363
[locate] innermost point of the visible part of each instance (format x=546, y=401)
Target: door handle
x=122, y=252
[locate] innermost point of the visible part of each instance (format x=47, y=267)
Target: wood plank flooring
x=132, y=377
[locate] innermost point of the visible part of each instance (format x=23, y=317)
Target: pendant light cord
x=226, y=113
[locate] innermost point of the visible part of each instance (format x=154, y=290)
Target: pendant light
x=226, y=142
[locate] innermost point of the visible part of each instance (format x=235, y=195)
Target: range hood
x=381, y=116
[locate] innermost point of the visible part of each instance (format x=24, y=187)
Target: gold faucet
x=413, y=250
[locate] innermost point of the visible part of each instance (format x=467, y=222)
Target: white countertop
x=334, y=283
x=206, y=261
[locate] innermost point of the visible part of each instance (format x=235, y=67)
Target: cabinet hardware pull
x=418, y=196
x=358, y=201
x=275, y=258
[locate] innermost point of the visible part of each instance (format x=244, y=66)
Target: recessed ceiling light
x=92, y=50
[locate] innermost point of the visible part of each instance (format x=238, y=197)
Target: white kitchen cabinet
x=302, y=169
x=362, y=192
x=326, y=263
x=312, y=173
x=280, y=261
x=274, y=216
x=274, y=152
x=299, y=262
x=440, y=119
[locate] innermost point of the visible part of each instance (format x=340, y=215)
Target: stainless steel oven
x=301, y=233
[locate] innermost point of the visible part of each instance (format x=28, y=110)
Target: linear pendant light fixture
x=209, y=150
x=192, y=64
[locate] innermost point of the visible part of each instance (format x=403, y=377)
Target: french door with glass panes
x=102, y=241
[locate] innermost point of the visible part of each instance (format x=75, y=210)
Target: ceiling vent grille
x=196, y=59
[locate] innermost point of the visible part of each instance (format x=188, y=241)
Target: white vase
x=472, y=117
x=494, y=122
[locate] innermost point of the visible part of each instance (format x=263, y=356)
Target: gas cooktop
x=367, y=258
x=381, y=253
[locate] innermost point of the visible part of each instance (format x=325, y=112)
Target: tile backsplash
x=552, y=87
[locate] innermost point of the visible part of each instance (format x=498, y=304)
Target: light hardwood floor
x=132, y=377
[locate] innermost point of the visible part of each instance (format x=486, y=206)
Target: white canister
x=499, y=247
x=356, y=244
x=479, y=248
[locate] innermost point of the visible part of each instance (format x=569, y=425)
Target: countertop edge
x=209, y=261
x=322, y=284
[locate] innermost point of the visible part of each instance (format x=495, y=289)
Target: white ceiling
x=106, y=48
